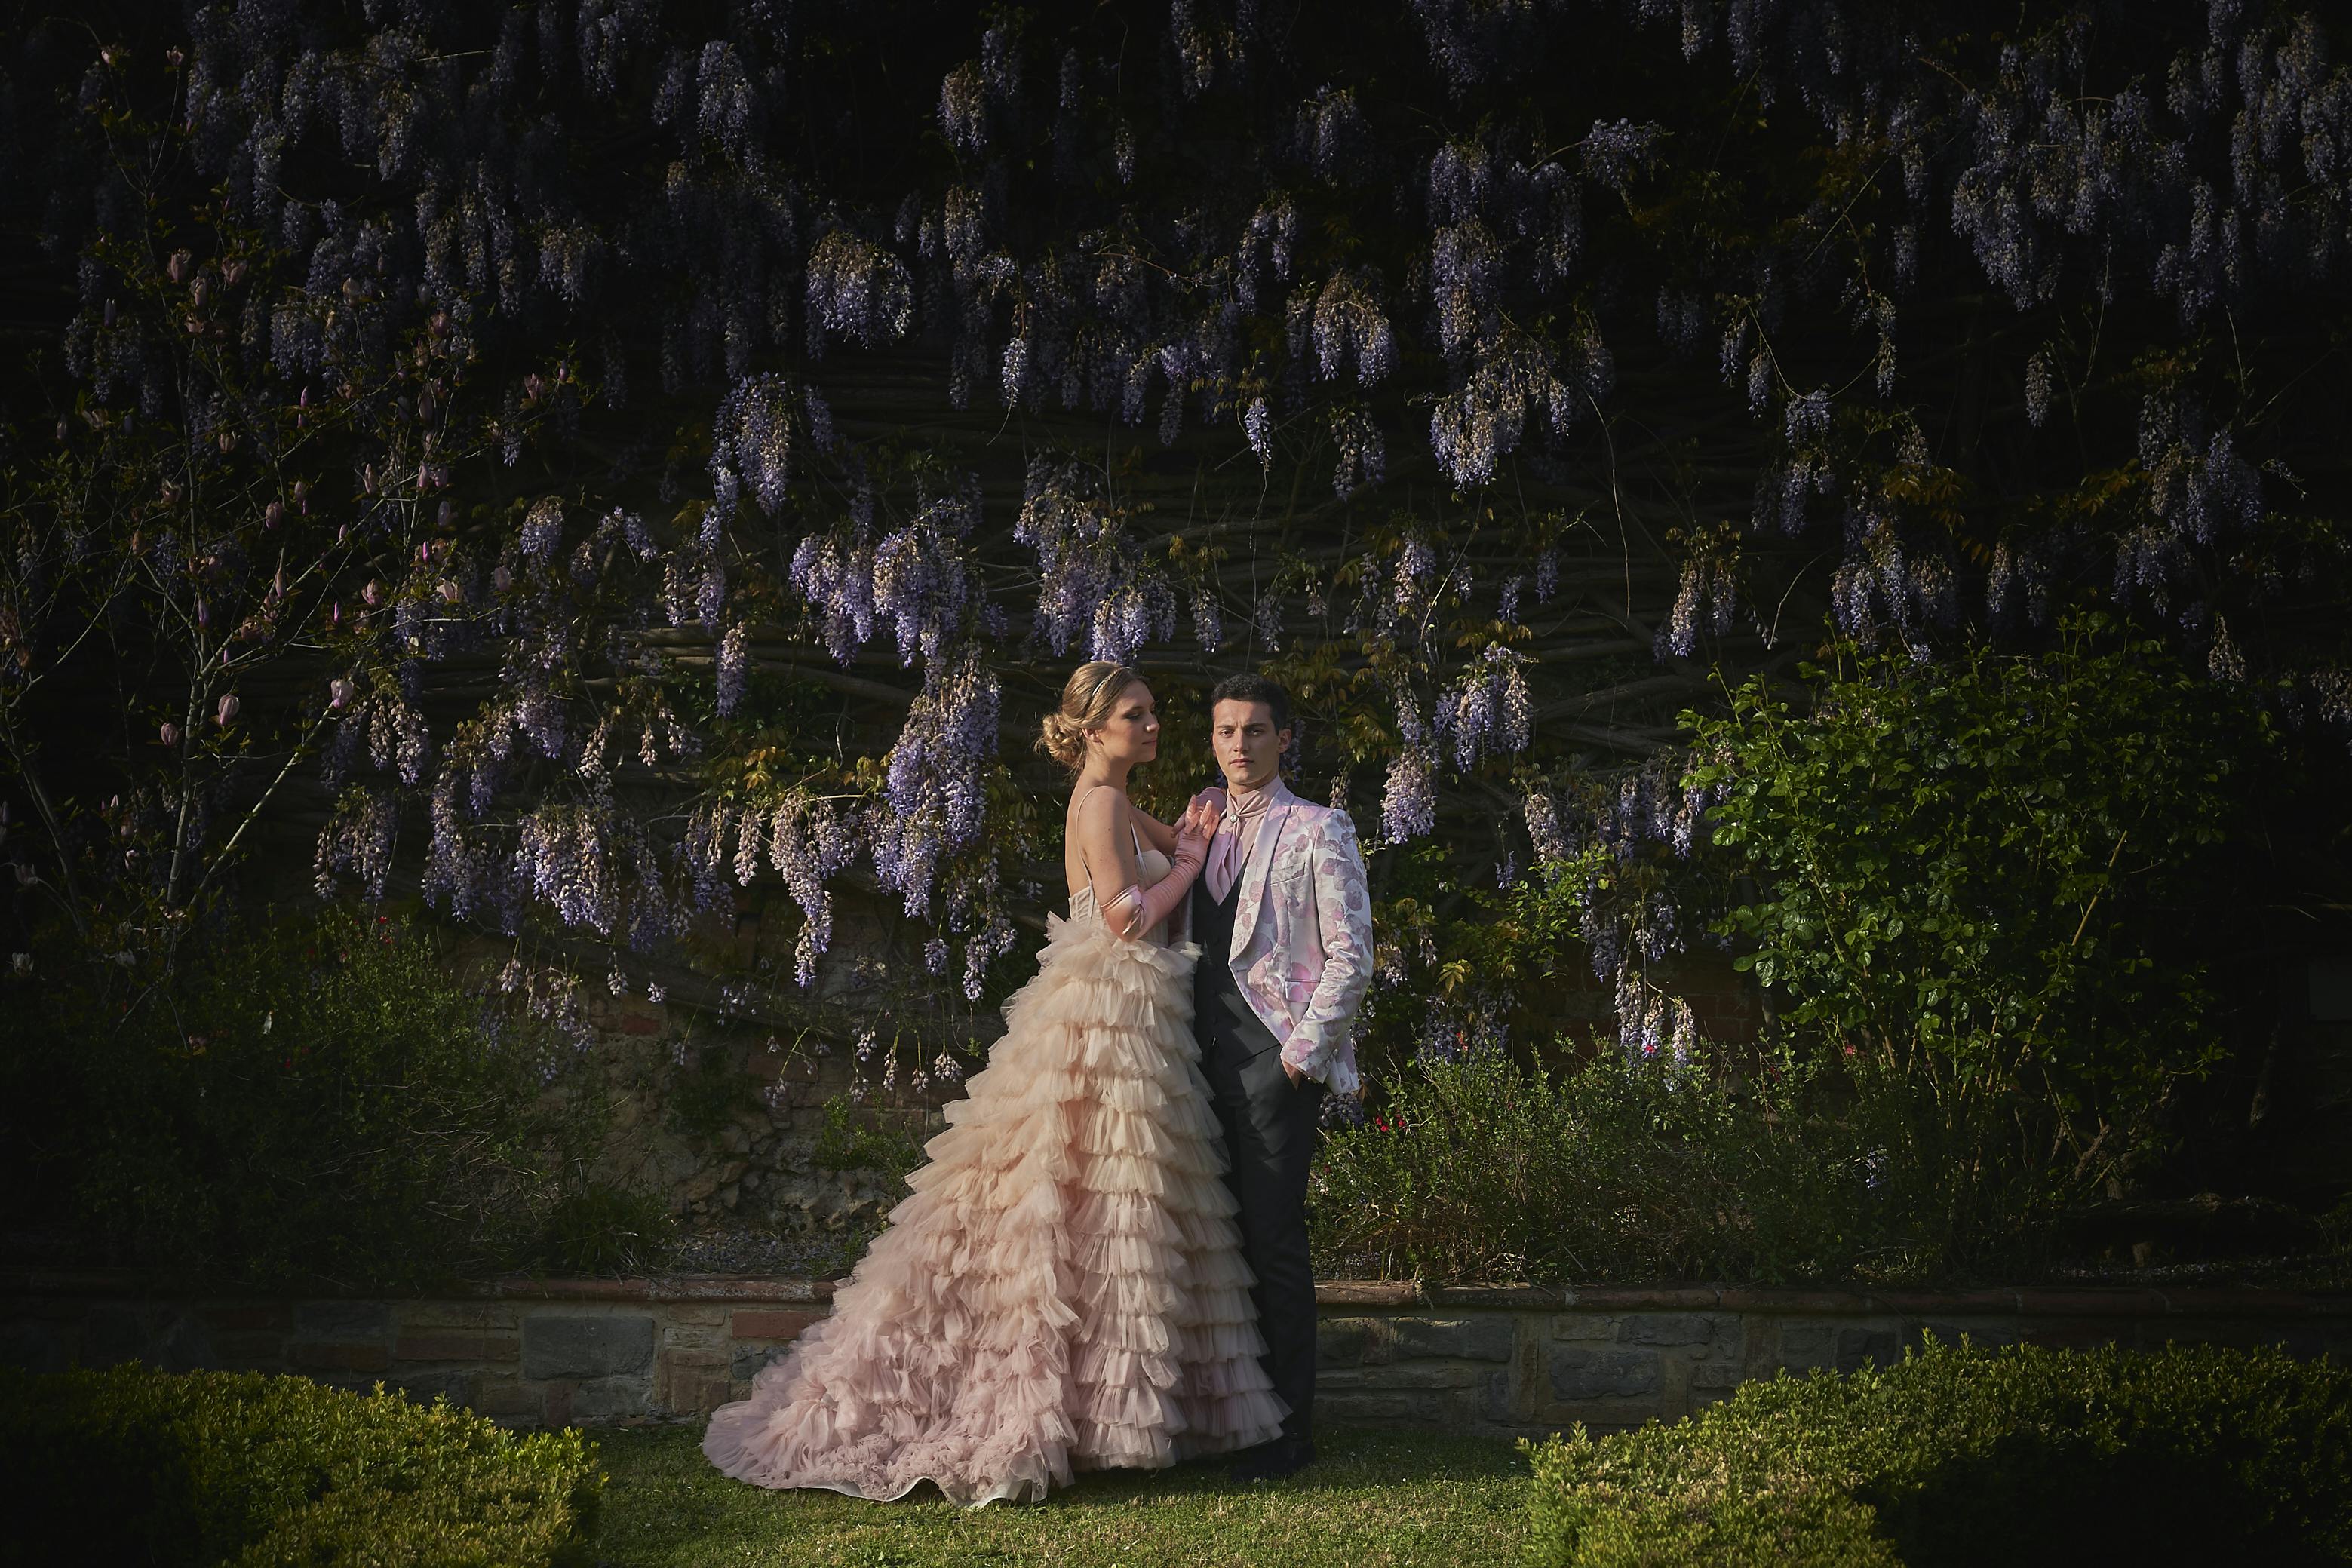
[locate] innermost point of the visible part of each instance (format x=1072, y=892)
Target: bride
x=1065, y=1288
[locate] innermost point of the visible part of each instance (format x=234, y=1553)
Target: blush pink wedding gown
x=1065, y=1288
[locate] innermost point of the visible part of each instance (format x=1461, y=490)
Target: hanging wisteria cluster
x=1472, y=364
x=1095, y=588
x=1618, y=851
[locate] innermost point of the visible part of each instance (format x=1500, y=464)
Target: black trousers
x=1270, y=1127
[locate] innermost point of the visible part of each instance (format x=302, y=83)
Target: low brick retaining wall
x=1517, y=1361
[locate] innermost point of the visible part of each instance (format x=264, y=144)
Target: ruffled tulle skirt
x=1063, y=1292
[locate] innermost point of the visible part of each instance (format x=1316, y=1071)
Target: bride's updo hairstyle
x=1088, y=698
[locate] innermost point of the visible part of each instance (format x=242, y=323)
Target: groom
x=1286, y=934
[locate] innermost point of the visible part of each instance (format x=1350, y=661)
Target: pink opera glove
x=1154, y=904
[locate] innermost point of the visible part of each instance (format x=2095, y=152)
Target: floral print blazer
x=1303, y=936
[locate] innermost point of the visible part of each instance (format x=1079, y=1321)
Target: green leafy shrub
x=1990, y=902
x=1984, y=895
x=602, y=1228
x=305, y=1099
x=846, y=1143
x=130, y=1465
x=2024, y=1457
x=1485, y=1169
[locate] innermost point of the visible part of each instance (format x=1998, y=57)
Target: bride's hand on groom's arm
x=1201, y=817
x=1191, y=823
x=1165, y=836
x=1191, y=839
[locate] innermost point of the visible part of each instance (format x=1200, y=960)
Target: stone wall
x=1528, y=1361
x=756, y=1169
x=1517, y=1362
x=753, y=1169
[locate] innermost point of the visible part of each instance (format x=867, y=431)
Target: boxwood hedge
x=1958, y=1456
x=133, y=1465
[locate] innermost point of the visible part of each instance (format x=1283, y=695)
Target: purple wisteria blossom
x=857, y=291
x=1333, y=138
x=992, y=937
x=1506, y=603
x=834, y=575
x=1457, y=183
x=1208, y=620
x=1488, y=709
x=561, y=857
x=809, y=842
x=1350, y=330
x=921, y=582
x=935, y=789
x=1408, y=803
x=1706, y=600
x=1547, y=574
x=1652, y=1025
x=358, y=840
x=1482, y=421
x=542, y=530
x=1615, y=152
x=1363, y=456
x=1549, y=841
x=963, y=107
x=1266, y=245
x=734, y=668
x=1092, y=580
x=1266, y=621
x=1412, y=580
x=1465, y=271
x=2037, y=389
x=752, y=446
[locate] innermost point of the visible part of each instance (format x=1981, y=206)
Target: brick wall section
x=1513, y=1361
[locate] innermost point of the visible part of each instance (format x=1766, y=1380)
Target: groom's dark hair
x=1254, y=689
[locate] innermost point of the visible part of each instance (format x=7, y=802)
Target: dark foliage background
x=604, y=464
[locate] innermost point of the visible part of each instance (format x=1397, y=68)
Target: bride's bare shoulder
x=1098, y=805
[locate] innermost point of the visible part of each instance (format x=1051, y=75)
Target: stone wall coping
x=667, y=1287
x=2020, y=1301
x=2023, y=1301
x=132, y=1282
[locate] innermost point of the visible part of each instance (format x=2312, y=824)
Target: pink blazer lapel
x=1253, y=890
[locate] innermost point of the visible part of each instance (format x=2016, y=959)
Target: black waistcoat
x=1213, y=928
x=1222, y=1014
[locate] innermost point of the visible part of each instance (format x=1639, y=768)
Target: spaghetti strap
x=1133, y=837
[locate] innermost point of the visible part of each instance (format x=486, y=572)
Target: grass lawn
x=1372, y=1499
